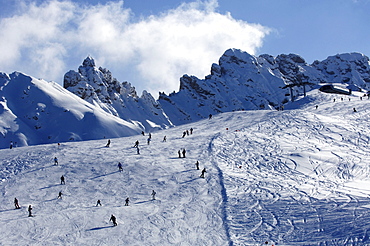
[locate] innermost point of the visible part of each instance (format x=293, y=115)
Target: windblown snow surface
x=293, y=177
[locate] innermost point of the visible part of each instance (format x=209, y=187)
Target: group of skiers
x=29, y=209
x=187, y=132
x=181, y=152
x=113, y=218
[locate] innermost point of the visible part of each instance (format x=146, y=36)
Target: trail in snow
x=297, y=177
x=285, y=180
x=187, y=210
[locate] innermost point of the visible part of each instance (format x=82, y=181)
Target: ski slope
x=293, y=177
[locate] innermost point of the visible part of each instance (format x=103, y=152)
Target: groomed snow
x=293, y=177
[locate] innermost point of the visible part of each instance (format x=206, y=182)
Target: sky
x=151, y=44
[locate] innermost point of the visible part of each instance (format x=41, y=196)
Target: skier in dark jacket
x=127, y=200
x=62, y=180
x=153, y=194
x=179, y=152
x=183, y=153
x=136, y=144
x=120, y=167
x=16, y=203
x=197, y=165
x=108, y=144
x=113, y=219
x=55, y=161
x=60, y=195
x=203, y=171
x=98, y=203
x=29, y=211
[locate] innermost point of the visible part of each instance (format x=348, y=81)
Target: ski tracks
x=255, y=169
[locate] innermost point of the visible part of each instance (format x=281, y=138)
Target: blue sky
x=152, y=43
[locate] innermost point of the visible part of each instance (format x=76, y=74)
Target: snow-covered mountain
x=99, y=87
x=241, y=81
x=34, y=111
x=294, y=177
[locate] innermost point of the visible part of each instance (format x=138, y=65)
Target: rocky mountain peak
x=99, y=87
x=88, y=62
x=241, y=81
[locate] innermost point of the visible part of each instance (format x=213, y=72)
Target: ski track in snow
x=271, y=198
x=282, y=177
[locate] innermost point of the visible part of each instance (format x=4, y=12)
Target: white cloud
x=47, y=40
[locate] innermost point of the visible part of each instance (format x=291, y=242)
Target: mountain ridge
x=239, y=81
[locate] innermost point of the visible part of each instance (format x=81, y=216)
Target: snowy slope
x=34, y=111
x=293, y=177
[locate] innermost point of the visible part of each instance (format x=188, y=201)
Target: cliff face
x=241, y=81
x=99, y=87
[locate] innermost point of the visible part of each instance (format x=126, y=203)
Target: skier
x=127, y=200
x=113, y=219
x=120, y=167
x=138, y=150
x=55, y=161
x=108, y=144
x=60, y=195
x=164, y=139
x=203, y=171
x=187, y=132
x=11, y=145
x=150, y=135
x=98, y=203
x=191, y=130
x=136, y=143
x=354, y=110
x=149, y=140
x=210, y=116
x=16, y=203
x=153, y=194
x=197, y=165
x=29, y=211
x=183, y=134
x=183, y=153
x=179, y=152
x=142, y=132
x=62, y=180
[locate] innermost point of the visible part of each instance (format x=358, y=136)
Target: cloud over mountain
x=153, y=52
